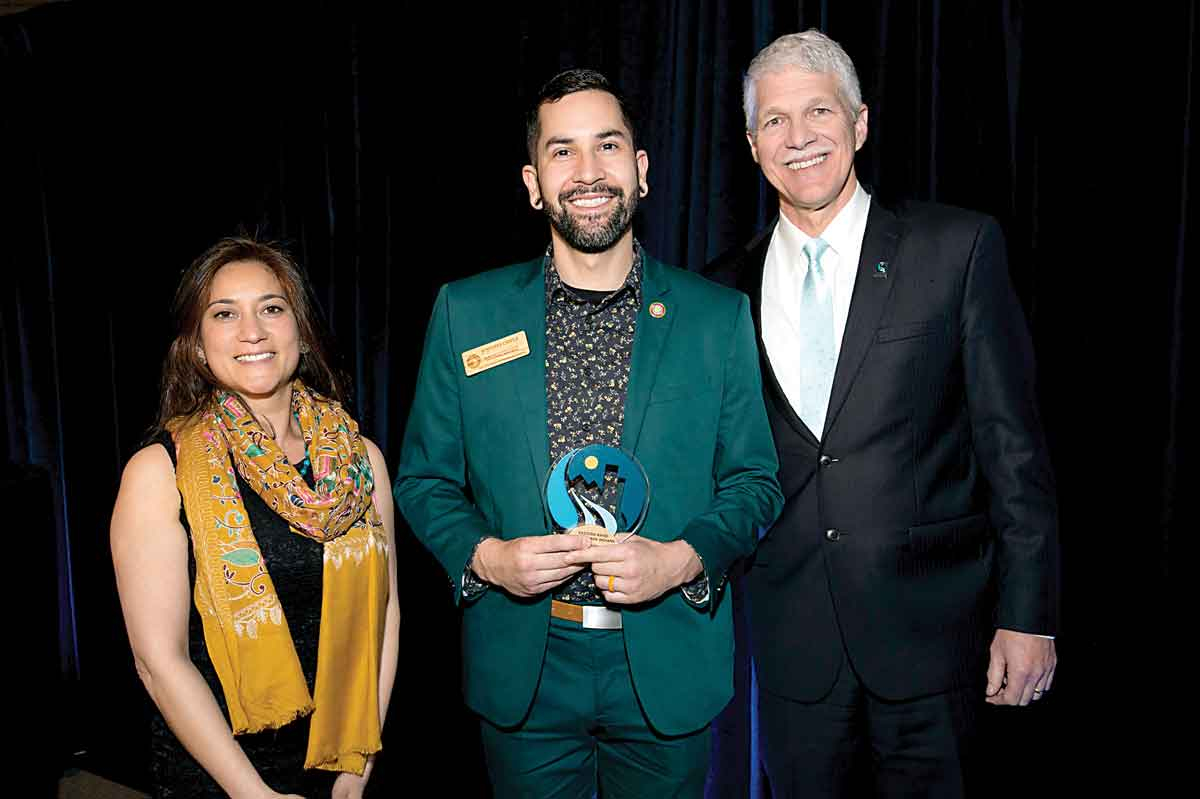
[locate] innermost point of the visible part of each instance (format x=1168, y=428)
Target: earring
x=303, y=348
x=201, y=356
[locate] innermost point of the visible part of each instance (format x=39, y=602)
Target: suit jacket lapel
x=648, y=341
x=750, y=279
x=529, y=373
x=870, y=297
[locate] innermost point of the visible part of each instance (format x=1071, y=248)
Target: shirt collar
x=633, y=280
x=844, y=232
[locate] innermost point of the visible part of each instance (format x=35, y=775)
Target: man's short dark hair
x=569, y=82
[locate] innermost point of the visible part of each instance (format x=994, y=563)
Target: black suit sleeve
x=1008, y=439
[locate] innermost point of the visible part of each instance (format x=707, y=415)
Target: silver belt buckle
x=596, y=617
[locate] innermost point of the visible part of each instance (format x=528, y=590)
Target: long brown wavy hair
x=187, y=382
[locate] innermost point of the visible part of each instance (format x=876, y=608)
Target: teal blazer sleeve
x=747, y=498
x=431, y=482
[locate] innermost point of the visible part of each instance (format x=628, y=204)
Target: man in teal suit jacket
x=590, y=662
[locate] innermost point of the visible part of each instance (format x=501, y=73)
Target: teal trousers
x=586, y=735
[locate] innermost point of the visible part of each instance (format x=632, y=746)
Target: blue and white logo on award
x=586, y=467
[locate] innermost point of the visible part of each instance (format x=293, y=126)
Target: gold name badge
x=494, y=353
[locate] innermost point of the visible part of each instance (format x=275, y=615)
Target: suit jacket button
x=825, y=460
x=832, y=535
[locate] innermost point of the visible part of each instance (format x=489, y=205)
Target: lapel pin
x=880, y=270
x=657, y=310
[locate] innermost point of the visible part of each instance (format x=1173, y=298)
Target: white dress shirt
x=783, y=277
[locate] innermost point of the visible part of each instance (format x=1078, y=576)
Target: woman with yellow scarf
x=252, y=542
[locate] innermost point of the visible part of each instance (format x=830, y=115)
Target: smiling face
x=248, y=332
x=805, y=139
x=588, y=177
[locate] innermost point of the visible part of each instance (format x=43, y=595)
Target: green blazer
x=476, y=455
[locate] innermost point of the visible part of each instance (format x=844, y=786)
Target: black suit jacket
x=925, y=517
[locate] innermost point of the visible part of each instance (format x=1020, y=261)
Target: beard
x=594, y=235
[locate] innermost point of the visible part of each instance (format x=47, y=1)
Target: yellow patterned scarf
x=244, y=626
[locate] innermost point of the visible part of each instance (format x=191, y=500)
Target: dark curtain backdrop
x=385, y=151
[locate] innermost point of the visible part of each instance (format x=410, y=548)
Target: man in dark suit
x=591, y=666
x=919, y=519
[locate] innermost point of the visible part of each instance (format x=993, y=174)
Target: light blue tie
x=818, y=355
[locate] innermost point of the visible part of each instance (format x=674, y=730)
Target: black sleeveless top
x=295, y=564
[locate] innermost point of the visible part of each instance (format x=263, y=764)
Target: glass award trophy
x=574, y=513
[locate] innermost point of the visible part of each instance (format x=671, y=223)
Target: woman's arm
x=150, y=554
x=350, y=786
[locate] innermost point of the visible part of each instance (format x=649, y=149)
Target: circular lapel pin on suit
x=657, y=310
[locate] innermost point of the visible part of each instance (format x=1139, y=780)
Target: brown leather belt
x=592, y=617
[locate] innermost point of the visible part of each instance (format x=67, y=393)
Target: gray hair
x=810, y=51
